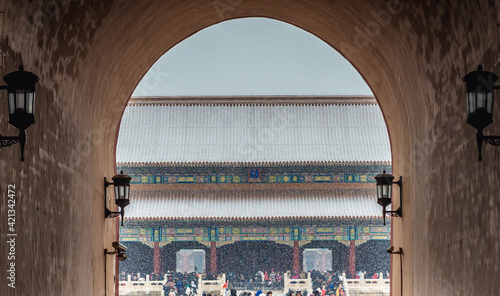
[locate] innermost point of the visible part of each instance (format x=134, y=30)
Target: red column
x=323, y=261
x=296, y=257
x=352, y=259
x=185, y=264
x=157, y=258
x=213, y=257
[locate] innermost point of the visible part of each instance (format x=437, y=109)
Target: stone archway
x=91, y=54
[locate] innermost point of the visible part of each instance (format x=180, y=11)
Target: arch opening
x=222, y=100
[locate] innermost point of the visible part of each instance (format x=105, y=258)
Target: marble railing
x=129, y=287
x=353, y=286
x=297, y=284
x=212, y=286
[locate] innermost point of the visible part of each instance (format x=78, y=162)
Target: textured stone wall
x=91, y=54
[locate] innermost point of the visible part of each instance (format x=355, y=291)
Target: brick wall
x=90, y=55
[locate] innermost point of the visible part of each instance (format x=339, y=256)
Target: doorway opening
x=255, y=172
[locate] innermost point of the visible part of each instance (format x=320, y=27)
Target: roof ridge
x=253, y=100
x=257, y=163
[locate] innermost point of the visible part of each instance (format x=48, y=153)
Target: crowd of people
x=324, y=283
x=176, y=283
x=271, y=280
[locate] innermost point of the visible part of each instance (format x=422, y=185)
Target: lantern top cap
x=480, y=80
x=121, y=179
x=21, y=79
x=384, y=179
x=384, y=175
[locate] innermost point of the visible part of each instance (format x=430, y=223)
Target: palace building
x=220, y=174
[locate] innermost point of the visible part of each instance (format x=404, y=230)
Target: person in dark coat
x=180, y=290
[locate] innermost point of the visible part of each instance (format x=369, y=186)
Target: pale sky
x=252, y=56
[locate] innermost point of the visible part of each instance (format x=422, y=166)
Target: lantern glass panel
x=127, y=192
x=385, y=191
x=117, y=193
x=481, y=100
x=121, y=191
x=379, y=191
x=489, y=102
x=30, y=102
x=12, y=103
x=471, y=102
x=20, y=99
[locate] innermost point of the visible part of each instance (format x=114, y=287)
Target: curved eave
x=256, y=221
x=231, y=219
x=252, y=100
x=245, y=164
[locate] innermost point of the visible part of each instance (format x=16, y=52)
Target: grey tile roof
x=195, y=133
x=199, y=204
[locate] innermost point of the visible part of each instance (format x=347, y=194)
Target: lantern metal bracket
x=480, y=138
x=492, y=140
x=110, y=253
x=11, y=140
x=107, y=212
x=399, y=211
x=8, y=141
x=396, y=213
x=120, y=250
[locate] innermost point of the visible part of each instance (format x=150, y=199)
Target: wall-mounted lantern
x=384, y=193
x=400, y=253
x=121, y=183
x=21, y=100
x=479, y=95
x=120, y=251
